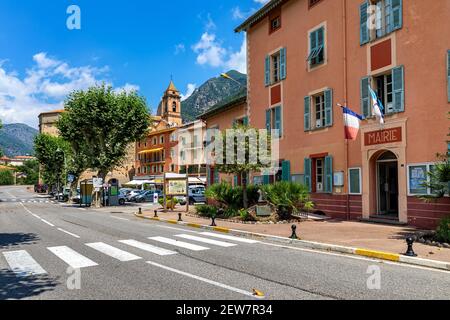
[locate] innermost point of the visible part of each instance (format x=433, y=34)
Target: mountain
x=17, y=139
x=211, y=93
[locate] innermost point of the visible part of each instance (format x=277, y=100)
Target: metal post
x=156, y=213
x=213, y=223
x=294, y=232
x=179, y=217
x=410, y=252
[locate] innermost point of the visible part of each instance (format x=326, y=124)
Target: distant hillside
x=211, y=93
x=17, y=139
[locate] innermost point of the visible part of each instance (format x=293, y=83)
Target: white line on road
x=222, y=236
x=148, y=247
x=118, y=218
x=205, y=240
x=69, y=233
x=72, y=258
x=214, y=283
x=22, y=264
x=179, y=229
x=113, y=252
x=46, y=222
x=180, y=244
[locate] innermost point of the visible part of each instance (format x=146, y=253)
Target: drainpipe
x=344, y=41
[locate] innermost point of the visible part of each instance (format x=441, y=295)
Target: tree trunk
x=244, y=189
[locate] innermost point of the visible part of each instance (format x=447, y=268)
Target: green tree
x=31, y=170
x=51, y=152
x=439, y=179
x=241, y=146
x=6, y=177
x=99, y=124
x=1, y=151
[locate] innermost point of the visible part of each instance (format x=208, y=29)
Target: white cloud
x=127, y=88
x=190, y=90
x=180, y=48
x=261, y=1
x=238, y=60
x=44, y=87
x=237, y=13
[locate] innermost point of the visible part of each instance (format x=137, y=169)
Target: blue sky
x=128, y=44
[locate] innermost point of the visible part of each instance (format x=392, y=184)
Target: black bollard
x=156, y=214
x=213, y=223
x=179, y=217
x=410, y=252
x=140, y=211
x=294, y=232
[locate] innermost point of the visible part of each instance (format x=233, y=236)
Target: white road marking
x=211, y=282
x=72, y=258
x=22, y=264
x=69, y=233
x=148, y=247
x=223, y=236
x=113, y=252
x=205, y=240
x=179, y=229
x=180, y=244
x=46, y=222
x=118, y=218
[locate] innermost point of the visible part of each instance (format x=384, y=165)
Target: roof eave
x=258, y=15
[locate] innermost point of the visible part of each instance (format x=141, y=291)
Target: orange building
x=307, y=56
x=155, y=153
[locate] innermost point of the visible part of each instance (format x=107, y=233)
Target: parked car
x=147, y=196
x=122, y=199
x=131, y=197
x=196, y=195
x=77, y=197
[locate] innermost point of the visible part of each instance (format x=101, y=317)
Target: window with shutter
x=365, y=97
x=398, y=85
x=364, y=23
x=329, y=174
x=308, y=173
x=397, y=14
x=267, y=71
x=317, y=47
x=307, y=114
x=278, y=121
x=283, y=70
x=328, y=95
x=286, y=171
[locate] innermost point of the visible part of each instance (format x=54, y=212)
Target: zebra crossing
x=17, y=200
x=23, y=264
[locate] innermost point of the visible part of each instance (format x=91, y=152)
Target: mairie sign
x=383, y=136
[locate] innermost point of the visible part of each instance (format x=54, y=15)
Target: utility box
x=86, y=189
x=113, y=192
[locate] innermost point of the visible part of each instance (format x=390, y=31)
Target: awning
x=138, y=182
x=151, y=150
x=195, y=180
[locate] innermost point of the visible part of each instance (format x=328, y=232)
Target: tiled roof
x=53, y=111
x=172, y=87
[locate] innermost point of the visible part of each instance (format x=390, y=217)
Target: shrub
x=288, y=197
x=232, y=197
x=245, y=215
x=171, y=202
x=443, y=230
x=6, y=178
x=206, y=211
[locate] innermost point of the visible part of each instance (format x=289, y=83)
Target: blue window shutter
x=266, y=179
x=388, y=13
x=278, y=121
x=329, y=174
x=269, y=121
x=245, y=121
x=308, y=173
x=286, y=171
x=235, y=180
x=307, y=114
x=364, y=23
x=267, y=71
x=398, y=88
x=365, y=97
x=397, y=15
x=448, y=74
x=328, y=107
x=283, y=69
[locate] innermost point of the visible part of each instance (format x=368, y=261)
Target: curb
x=387, y=256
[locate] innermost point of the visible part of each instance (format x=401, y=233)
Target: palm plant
x=439, y=179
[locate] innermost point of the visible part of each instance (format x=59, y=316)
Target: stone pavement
x=378, y=237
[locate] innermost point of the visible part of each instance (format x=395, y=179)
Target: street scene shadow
x=13, y=287
x=15, y=239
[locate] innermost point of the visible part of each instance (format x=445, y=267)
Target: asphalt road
x=54, y=251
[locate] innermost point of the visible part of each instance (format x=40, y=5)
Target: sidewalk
x=384, y=238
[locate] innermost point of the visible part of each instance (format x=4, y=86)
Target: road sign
x=97, y=182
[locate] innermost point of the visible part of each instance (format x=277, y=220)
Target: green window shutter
x=235, y=181
x=364, y=23
x=365, y=97
x=283, y=70
x=269, y=121
x=245, y=121
x=328, y=107
x=267, y=71
x=307, y=114
x=216, y=175
x=286, y=171
x=308, y=173
x=448, y=74
x=398, y=88
x=278, y=121
x=329, y=174
x=397, y=15
x=320, y=45
x=266, y=179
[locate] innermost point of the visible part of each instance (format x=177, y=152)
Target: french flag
x=351, y=121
